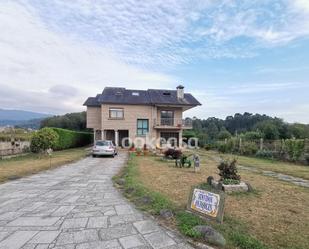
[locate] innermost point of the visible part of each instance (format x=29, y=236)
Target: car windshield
x=103, y=143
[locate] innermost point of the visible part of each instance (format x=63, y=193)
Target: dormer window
x=135, y=93
x=166, y=93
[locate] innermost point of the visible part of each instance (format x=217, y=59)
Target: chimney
x=180, y=92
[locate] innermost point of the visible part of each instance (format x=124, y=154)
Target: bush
x=43, y=139
x=203, y=139
x=252, y=135
x=71, y=139
x=224, y=135
x=264, y=154
x=249, y=149
x=172, y=153
x=226, y=147
x=295, y=148
x=228, y=170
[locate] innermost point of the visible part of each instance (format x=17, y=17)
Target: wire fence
x=285, y=149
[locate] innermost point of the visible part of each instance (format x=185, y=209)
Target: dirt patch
x=277, y=214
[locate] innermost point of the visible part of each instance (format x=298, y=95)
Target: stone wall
x=13, y=148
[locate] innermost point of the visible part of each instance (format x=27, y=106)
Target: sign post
x=207, y=204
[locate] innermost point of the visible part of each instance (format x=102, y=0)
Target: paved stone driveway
x=76, y=206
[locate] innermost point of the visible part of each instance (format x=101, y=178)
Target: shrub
x=228, y=170
x=71, y=139
x=295, y=148
x=252, y=135
x=224, y=135
x=249, y=148
x=203, y=139
x=172, y=153
x=43, y=139
x=264, y=154
x=226, y=147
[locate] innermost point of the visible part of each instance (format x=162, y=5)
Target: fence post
x=225, y=140
x=261, y=144
x=240, y=144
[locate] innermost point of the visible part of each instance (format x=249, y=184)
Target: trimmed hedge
x=72, y=139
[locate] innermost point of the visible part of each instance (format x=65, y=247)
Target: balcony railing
x=172, y=123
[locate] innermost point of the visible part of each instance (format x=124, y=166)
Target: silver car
x=104, y=148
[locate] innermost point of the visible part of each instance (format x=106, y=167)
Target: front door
x=123, y=137
x=170, y=137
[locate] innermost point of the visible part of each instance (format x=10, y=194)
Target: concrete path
x=76, y=206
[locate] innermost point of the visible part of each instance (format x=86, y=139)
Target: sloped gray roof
x=118, y=95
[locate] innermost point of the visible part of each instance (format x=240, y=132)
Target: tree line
x=253, y=126
x=71, y=121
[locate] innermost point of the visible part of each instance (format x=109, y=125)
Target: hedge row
x=71, y=139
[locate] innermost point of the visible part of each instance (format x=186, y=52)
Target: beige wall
x=98, y=118
x=94, y=117
x=131, y=114
x=177, y=112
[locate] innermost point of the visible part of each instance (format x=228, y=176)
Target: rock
x=166, y=213
x=129, y=190
x=250, y=188
x=209, y=180
x=216, y=185
x=210, y=235
x=241, y=187
x=144, y=200
x=121, y=181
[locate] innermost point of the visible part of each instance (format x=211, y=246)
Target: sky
x=234, y=56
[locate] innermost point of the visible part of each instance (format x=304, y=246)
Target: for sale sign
x=207, y=204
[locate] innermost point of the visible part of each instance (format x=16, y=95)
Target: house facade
x=125, y=116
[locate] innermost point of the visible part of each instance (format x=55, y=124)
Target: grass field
x=277, y=213
x=266, y=164
x=32, y=163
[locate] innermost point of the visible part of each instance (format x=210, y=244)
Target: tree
x=71, y=121
x=269, y=130
x=43, y=139
x=224, y=134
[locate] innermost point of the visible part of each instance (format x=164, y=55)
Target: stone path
x=292, y=179
x=76, y=206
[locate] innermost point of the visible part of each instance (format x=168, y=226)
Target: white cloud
x=154, y=33
x=36, y=61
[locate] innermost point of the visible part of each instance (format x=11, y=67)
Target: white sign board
x=207, y=203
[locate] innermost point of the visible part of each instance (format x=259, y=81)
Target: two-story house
x=120, y=113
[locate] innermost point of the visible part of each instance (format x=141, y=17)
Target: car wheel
x=93, y=155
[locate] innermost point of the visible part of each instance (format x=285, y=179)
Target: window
x=135, y=93
x=103, y=143
x=167, y=118
x=142, y=127
x=116, y=113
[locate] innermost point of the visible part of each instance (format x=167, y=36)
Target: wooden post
x=240, y=144
x=261, y=144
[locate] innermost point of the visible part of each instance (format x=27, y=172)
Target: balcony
x=172, y=123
